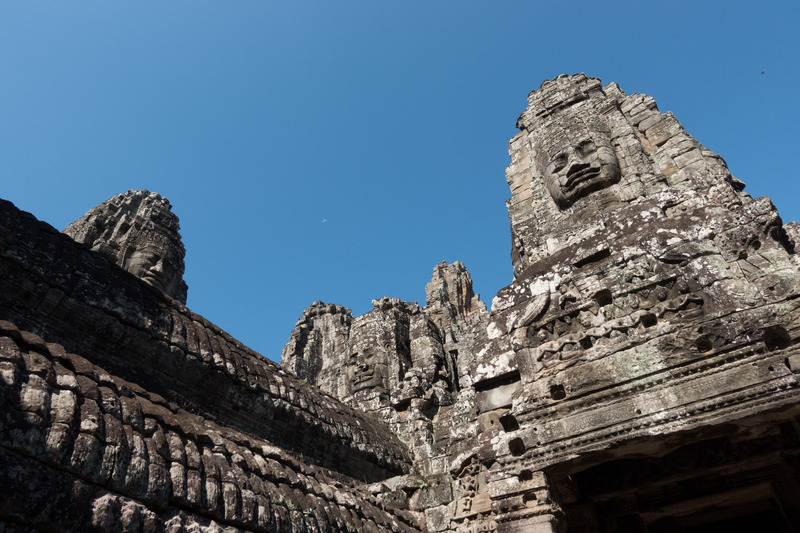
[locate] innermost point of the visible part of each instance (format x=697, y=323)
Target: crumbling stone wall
x=318, y=345
x=651, y=297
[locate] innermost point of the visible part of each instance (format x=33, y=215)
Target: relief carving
x=578, y=160
x=474, y=495
x=138, y=232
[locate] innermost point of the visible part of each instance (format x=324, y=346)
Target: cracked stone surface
x=640, y=373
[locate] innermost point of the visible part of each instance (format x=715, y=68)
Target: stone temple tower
x=640, y=373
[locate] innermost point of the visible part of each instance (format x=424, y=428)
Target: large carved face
x=578, y=163
x=366, y=368
x=156, y=265
x=138, y=232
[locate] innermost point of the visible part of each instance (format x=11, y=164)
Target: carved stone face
x=147, y=244
x=365, y=369
x=580, y=163
x=156, y=265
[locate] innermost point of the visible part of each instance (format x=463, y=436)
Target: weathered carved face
x=366, y=369
x=156, y=265
x=138, y=232
x=579, y=163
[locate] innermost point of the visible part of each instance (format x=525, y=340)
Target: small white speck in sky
x=324, y=220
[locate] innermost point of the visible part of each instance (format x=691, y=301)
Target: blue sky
x=337, y=151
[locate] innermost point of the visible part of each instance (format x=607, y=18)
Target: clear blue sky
x=337, y=151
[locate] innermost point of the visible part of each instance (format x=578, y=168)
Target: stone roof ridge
x=177, y=443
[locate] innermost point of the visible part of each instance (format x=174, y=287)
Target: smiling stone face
x=368, y=359
x=157, y=265
x=578, y=164
x=137, y=231
x=378, y=352
x=365, y=369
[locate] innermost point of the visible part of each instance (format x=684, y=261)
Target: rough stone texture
x=653, y=310
x=117, y=321
x=399, y=362
x=95, y=452
x=449, y=296
x=318, y=345
x=73, y=297
x=137, y=231
x=639, y=374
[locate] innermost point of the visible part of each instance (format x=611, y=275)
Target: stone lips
x=640, y=373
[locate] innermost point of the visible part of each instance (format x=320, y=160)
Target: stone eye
x=559, y=162
x=149, y=259
x=585, y=148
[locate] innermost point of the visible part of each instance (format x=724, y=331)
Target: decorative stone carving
x=640, y=373
x=580, y=162
x=637, y=259
x=474, y=493
x=379, y=348
x=449, y=295
x=317, y=348
x=138, y=232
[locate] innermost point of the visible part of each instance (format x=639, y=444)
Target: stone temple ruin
x=638, y=375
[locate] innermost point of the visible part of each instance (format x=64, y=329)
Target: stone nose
x=158, y=267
